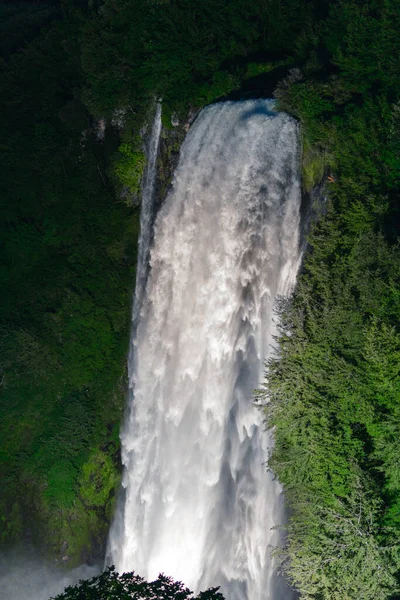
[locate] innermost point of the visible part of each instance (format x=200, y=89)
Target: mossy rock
x=77, y=532
x=314, y=164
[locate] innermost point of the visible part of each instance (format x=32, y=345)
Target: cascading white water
x=199, y=504
x=147, y=212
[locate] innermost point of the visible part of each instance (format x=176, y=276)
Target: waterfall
x=147, y=212
x=198, y=503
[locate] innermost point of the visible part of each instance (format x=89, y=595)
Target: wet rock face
x=170, y=144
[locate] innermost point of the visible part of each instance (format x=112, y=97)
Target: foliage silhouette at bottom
x=129, y=586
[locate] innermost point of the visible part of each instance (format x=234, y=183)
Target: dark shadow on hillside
x=258, y=86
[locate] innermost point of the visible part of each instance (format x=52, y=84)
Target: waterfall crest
x=198, y=502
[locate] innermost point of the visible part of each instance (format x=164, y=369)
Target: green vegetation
x=69, y=232
x=333, y=399
x=129, y=168
x=333, y=392
x=189, y=53
x=67, y=267
x=315, y=163
x=128, y=586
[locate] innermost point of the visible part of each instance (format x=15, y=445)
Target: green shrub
x=129, y=168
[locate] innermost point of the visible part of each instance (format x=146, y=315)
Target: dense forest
x=78, y=81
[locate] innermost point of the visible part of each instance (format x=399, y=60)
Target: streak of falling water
x=147, y=212
x=198, y=502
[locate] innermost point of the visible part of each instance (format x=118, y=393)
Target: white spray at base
x=24, y=575
x=199, y=504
